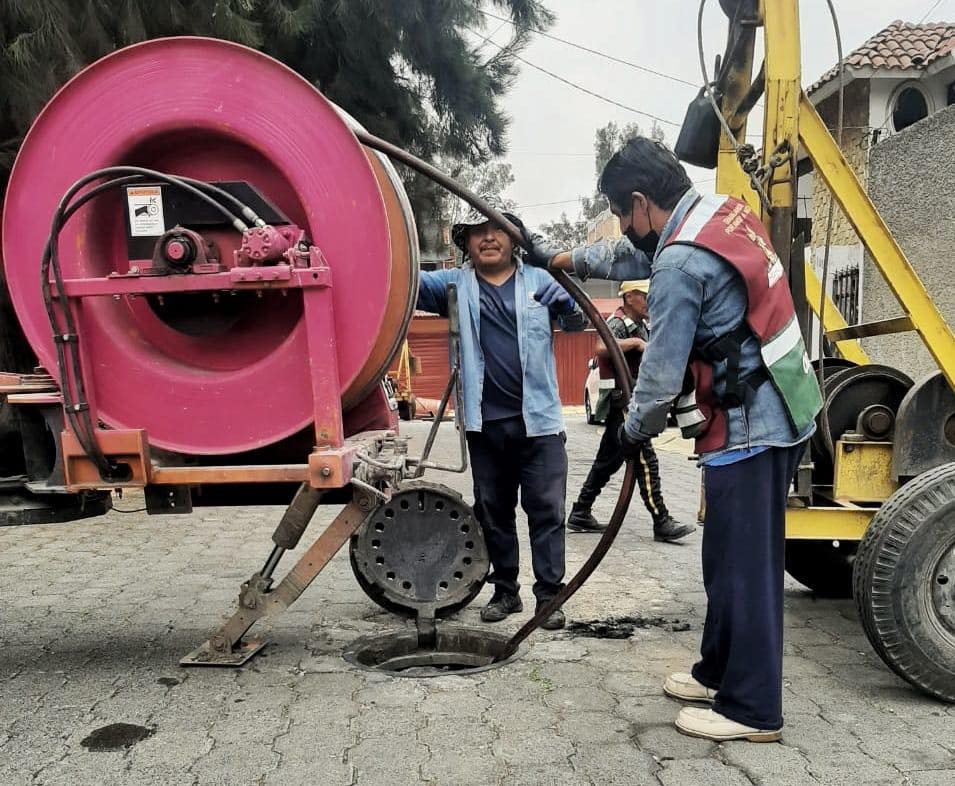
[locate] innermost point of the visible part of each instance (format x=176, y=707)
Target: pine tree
x=565, y=233
x=608, y=140
x=408, y=70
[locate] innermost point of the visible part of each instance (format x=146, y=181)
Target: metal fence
x=845, y=293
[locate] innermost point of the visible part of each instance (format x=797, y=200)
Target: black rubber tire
x=822, y=566
x=893, y=580
x=591, y=420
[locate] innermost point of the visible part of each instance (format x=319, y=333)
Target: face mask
x=647, y=244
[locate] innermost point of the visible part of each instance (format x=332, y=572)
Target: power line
x=925, y=15
x=539, y=153
x=597, y=52
x=581, y=198
x=574, y=85
x=547, y=204
x=494, y=33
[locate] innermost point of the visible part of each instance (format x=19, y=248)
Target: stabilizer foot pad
x=239, y=656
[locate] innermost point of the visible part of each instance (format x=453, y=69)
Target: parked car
x=592, y=391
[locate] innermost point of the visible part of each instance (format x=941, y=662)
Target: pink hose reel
x=264, y=341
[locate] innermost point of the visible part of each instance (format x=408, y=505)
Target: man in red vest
x=720, y=308
x=629, y=326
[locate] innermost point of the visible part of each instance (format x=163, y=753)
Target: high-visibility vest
x=728, y=228
x=607, y=382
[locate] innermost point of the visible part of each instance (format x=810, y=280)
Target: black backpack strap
x=728, y=348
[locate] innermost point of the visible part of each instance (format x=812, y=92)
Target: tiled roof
x=901, y=45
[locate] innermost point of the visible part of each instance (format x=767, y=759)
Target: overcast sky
x=552, y=128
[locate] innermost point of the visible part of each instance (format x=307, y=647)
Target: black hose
x=69, y=363
x=621, y=372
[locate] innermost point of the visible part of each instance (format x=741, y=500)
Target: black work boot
x=581, y=520
x=555, y=620
x=500, y=605
x=668, y=529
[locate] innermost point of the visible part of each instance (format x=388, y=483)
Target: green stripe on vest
x=793, y=378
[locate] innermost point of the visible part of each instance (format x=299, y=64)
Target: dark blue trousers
x=743, y=564
x=504, y=460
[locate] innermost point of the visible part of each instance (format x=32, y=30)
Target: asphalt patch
x=116, y=737
x=169, y=682
x=623, y=627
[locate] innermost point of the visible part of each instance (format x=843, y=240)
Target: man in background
x=629, y=326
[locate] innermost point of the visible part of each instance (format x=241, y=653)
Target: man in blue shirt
x=703, y=317
x=512, y=410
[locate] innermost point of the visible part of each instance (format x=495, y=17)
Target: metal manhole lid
x=422, y=552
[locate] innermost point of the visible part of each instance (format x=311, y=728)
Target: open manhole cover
x=455, y=650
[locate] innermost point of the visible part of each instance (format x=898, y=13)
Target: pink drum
x=211, y=374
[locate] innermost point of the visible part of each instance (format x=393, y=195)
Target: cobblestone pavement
x=97, y=613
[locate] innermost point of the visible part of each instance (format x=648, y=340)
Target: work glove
x=555, y=297
x=630, y=448
x=541, y=252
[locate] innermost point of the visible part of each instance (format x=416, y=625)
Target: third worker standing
x=629, y=326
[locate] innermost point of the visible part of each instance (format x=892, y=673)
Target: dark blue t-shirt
x=503, y=377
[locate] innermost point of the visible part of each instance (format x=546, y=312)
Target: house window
x=910, y=106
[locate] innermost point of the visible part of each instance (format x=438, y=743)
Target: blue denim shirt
x=694, y=297
x=541, y=404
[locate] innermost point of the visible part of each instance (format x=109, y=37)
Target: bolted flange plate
x=205, y=655
x=422, y=552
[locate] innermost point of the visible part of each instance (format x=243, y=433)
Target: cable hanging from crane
x=824, y=279
x=745, y=153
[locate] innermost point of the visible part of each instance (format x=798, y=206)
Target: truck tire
x=904, y=582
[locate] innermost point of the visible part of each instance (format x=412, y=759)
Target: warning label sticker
x=145, y=211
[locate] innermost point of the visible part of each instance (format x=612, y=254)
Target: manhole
x=456, y=650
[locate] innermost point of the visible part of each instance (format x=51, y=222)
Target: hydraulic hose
x=65, y=339
x=621, y=372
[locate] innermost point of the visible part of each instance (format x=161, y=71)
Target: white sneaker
x=685, y=688
x=710, y=725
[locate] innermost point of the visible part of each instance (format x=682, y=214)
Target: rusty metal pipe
x=621, y=373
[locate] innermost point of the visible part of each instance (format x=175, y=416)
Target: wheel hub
x=943, y=589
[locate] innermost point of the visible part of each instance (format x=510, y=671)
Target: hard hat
x=459, y=232
x=634, y=286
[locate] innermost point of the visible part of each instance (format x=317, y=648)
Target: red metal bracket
x=331, y=468
x=124, y=447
